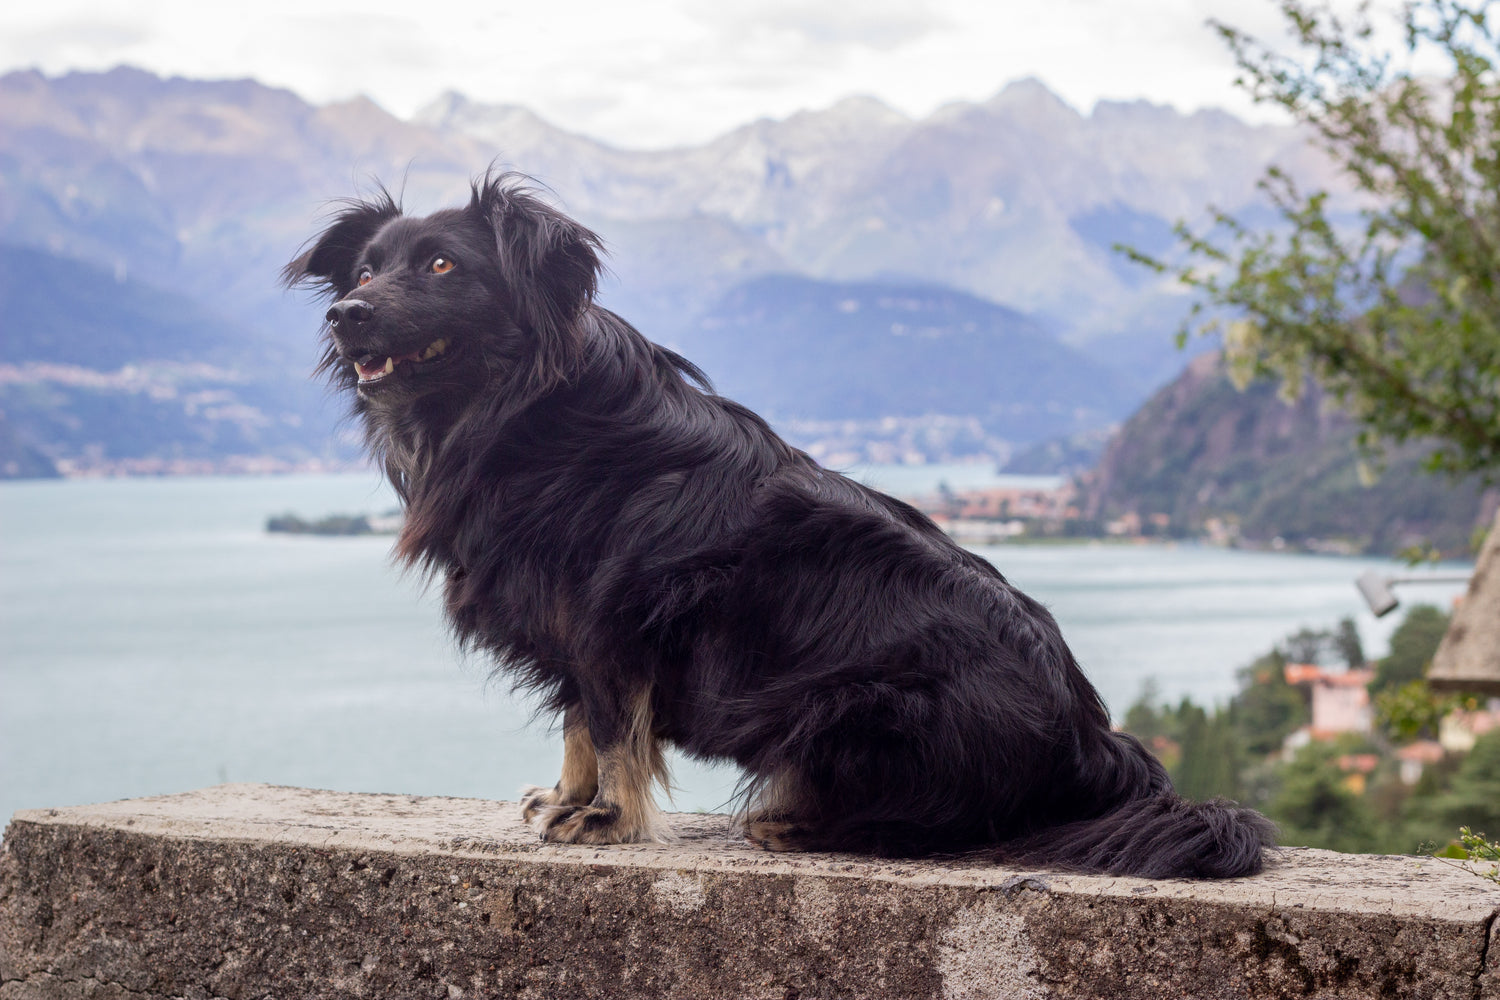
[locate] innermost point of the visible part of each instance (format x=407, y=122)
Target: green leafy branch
x=1474, y=847
x=1397, y=314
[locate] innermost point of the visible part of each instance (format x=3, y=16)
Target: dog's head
x=444, y=303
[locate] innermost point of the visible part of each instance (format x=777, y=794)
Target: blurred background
x=950, y=248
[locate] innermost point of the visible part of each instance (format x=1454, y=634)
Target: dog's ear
x=549, y=264
x=327, y=263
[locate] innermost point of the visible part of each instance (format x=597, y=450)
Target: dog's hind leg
x=623, y=809
x=772, y=820
x=579, y=782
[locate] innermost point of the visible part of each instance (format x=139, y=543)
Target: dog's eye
x=365, y=276
x=441, y=265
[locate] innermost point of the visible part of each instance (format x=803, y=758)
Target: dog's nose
x=350, y=313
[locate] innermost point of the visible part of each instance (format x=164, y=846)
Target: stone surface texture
x=252, y=891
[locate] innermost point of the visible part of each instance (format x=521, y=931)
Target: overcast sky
x=652, y=73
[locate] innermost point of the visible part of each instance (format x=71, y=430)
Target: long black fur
x=607, y=525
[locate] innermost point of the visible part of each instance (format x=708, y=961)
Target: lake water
x=153, y=638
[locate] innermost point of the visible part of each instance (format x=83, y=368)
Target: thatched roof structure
x=1469, y=657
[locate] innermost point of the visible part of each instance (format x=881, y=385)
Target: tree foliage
x=1145, y=719
x=1325, y=647
x=1405, y=707
x=1267, y=709
x=1395, y=307
x=1210, y=763
x=1316, y=806
x=1411, y=711
x=1327, y=794
x=1346, y=640
x=1473, y=798
x=1413, y=645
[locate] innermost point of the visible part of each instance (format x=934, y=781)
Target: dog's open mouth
x=371, y=368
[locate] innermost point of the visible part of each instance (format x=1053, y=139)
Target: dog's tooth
x=390, y=365
x=439, y=346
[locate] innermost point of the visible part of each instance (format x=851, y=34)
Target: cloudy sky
x=652, y=73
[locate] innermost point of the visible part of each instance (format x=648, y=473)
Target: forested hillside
x=1200, y=449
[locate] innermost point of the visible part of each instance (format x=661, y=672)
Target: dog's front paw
x=588, y=824
x=535, y=798
x=596, y=823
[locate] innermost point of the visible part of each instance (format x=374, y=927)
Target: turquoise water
x=153, y=638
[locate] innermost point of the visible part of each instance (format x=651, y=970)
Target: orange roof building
x=1340, y=701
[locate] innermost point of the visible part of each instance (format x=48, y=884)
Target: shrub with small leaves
x=1474, y=847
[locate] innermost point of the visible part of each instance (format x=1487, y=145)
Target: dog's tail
x=1161, y=836
x=1146, y=829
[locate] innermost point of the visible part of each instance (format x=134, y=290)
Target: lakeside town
x=998, y=514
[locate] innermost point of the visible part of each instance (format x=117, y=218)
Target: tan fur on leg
x=624, y=810
x=580, y=771
x=771, y=821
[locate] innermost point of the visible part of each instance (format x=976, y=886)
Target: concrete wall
x=250, y=891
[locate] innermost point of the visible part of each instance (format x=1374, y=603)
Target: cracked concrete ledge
x=252, y=891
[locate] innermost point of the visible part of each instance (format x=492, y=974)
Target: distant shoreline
x=942, y=491
x=334, y=525
x=235, y=465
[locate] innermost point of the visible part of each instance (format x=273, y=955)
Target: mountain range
x=144, y=220
x=101, y=369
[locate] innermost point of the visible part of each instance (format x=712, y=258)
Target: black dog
x=662, y=567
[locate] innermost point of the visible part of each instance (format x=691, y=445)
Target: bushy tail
x=1161, y=836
